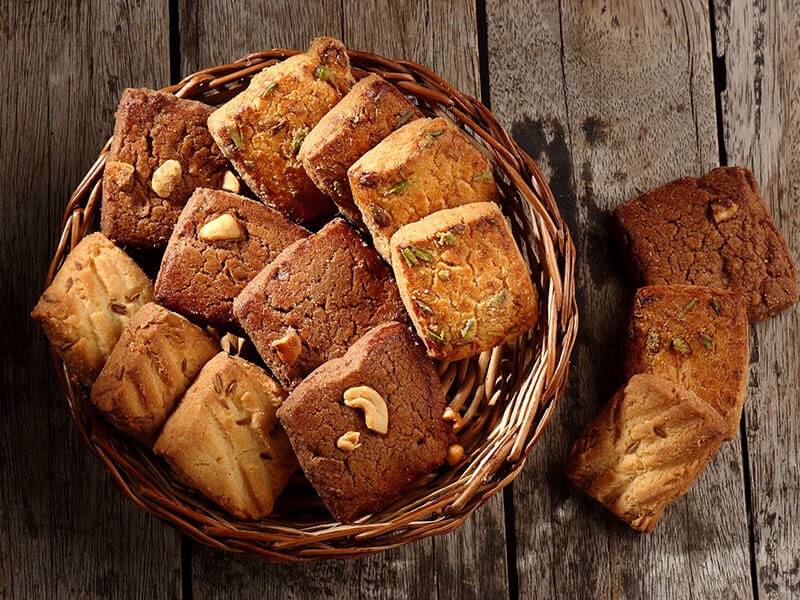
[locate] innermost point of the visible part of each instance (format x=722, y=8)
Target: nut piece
x=348, y=441
x=166, y=177
x=368, y=400
x=453, y=417
x=224, y=227
x=230, y=183
x=455, y=454
x=289, y=346
x=722, y=212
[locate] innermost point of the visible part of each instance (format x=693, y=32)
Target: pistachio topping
x=405, y=117
x=469, y=328
x=398, y=187
x=686, y=308
x=446, y=238
x=236, y=138
x=422, y=306
x=297, y=140
x=681, y=346
x=409, y=256
x=381, y=216
x=653, y=341
x=715, y=304
x=268, y=89
x=421, y=253
x=444, y=274
x=322, y=73
x=438, y=339
x=706, y=340
x=483, y=176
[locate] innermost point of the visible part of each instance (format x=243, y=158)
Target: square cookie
x=220, y=243
x=161, y=151
x=225, y=440
x=315, y=299
x=425, y=166
x=645, y=449
x=696, y=336
x=714, y=231
x=261, y=130
x=368, y=424
x=91, y=300
x=368, y=113
x=156, y=358
x=463, y=280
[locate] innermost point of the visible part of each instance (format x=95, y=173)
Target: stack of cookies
x=710, y=260
x=243, y=201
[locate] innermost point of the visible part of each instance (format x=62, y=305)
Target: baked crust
x=463, y=280
x=714, y=231
x=91, y=300
x=156, y=358
x=225, y=440
x=425, y=166
x=645, y=449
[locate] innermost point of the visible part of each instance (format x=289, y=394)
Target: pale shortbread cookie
x=91, y=300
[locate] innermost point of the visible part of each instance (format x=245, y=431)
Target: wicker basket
x=505, y=396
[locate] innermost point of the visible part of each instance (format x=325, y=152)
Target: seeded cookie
x=367, y=114
x=157, y=357
x=368, y=424
x=161, y=151
x=696, y=336
x=261, y=130
x=645, y=449
x=220, y=243
x=225, y=440
x=714, y=231
x=315, y=299
x=425, y=166
x=91, y=300
x=463, y=280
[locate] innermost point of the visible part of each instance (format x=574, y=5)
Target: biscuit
x=463, y=280
x=225, y=440
x=425, y=166
x=358, y=464
x=156, y=358
x=161, y=151
x=714, y=231
x=645, y=449
x=367, y=114
x=91, y=300
x=695, y=336
x=315, y=299
x=221, y=241
x=261, y=130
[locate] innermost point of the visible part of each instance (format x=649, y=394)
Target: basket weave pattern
x=505, y=396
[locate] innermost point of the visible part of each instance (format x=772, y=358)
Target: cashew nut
x=453, y=417
x=455, y=454
x=224, y=227
x=289, y=346
x=166, y=177
x=230, y=183
x=372, y=404
x=721, y=212
x=348, y=441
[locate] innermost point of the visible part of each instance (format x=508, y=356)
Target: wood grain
x=66, y=532
x=759, y=44
x=612, y=99
x=443, y=38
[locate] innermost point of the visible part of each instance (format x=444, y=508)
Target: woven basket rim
x=509, y=392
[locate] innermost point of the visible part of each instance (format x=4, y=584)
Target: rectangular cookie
x=91, y=300
x=425, y=166
x=367, y=114
x=220, y=243
x=696, y=336
x=714, y=231
x=367, y=425
x=261, y=130
x=225, y=440
x=315, y=299
x=156, y=358
x=463, y=280
x=645, y=449
x=161, y=151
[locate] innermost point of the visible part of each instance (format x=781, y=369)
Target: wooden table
x=611, y=99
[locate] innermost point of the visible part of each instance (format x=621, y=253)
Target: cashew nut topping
x=224, y=227
x=720, y=212
x=453, y=417
x=289, y=346
x=372, y=404
x=230, y=183
x=166, y=177
x=348, y=441
x=455, y=453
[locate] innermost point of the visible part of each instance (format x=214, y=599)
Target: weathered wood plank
x=66, y=532
x=612, y=99
x=759, y=43
x=445, y=39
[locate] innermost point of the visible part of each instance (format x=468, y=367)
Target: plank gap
x=186, y=567
x=511, y=541
x=483, y=51
x=748, y=504
x=720, y=84
x=174, y=43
